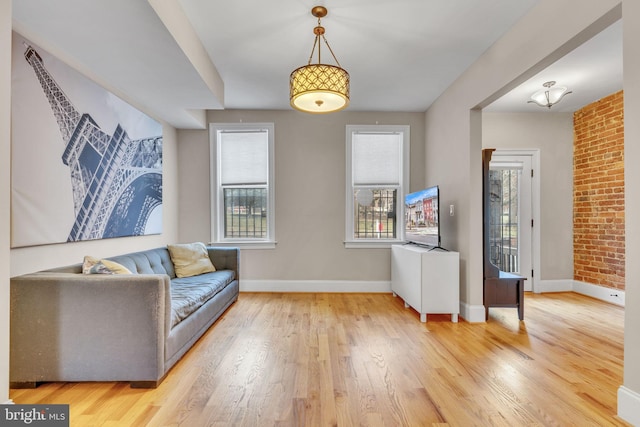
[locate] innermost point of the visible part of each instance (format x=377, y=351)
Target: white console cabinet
x=427, y=280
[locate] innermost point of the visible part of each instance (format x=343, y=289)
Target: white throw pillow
x=91, y=265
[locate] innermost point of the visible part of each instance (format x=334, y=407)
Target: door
x=511, y=219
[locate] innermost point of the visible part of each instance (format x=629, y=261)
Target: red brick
x=598, y=198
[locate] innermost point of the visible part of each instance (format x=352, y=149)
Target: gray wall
x=552, y=134
x=309, y=190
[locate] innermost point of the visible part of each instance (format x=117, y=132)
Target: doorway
x=512, y=222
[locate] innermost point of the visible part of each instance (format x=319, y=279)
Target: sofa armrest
x=224, y=258
x=75, y=327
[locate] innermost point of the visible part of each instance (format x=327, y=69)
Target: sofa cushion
x=190, y=259
x=190, y=293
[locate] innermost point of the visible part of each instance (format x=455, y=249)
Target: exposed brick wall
x=598, y=193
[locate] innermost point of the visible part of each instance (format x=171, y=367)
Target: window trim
x=217, y=191
x=350, y=240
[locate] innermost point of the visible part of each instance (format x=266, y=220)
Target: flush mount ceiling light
x=550, y=95
x=319, y=88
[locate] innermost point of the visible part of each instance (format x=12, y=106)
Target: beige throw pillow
x=91, y=265
x=190, y=259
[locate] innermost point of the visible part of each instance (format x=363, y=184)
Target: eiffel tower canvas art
x=113, y=186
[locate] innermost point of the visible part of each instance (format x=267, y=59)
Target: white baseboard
x=560, y=285
x=614, y=296
x=472, y=313
x=610, y=295
x=629, y=405
x=315, y=286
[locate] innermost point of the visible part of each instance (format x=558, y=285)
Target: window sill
x=246, y=245
x=371, y=244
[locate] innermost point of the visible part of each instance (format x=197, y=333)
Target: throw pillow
x=190, y=259
x=92, y=265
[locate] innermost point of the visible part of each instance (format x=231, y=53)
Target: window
x=377, y=176
x=242, y=196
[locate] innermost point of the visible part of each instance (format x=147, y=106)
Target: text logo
x=34, y=415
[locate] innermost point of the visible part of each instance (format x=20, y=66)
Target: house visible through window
x=242, y=177
x=377, y=175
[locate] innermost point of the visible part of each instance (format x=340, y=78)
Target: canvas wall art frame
x=85, y=164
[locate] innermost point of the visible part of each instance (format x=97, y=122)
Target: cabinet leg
x=423, y=317
x=521, y=299
x=454, y=317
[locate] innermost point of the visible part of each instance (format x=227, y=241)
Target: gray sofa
x=69, y=326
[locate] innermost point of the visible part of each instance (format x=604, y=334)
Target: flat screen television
x=422, y=217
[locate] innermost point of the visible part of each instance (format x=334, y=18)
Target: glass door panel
x=510, y=227
x=504, y=227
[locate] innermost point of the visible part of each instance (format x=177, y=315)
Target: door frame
x=534, y=155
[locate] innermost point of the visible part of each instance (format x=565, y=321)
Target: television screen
x=422, y=217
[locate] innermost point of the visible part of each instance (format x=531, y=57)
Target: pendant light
x=319, y=88
x=550, y=95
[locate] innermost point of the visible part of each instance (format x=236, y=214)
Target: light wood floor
x=365, y=360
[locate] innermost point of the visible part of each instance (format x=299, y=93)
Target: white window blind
x=244, y=157
x=377, y=159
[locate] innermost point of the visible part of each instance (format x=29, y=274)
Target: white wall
x=552, y=135
x=5, y=164
x=309, y=191
x=629, y=396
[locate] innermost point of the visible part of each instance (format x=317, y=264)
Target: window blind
x=377, y=158
x=244, y=157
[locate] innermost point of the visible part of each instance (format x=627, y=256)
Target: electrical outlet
x=451, y=210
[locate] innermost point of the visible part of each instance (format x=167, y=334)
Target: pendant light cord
x=319, y=31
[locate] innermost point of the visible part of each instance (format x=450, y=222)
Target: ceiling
x=591, y=72
x=167, y=55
